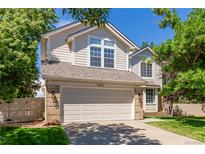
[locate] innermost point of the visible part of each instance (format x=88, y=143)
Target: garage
x=91, y=104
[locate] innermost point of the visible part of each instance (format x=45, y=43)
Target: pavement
x=129, y=132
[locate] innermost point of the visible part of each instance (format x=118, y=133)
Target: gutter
x=57, y=78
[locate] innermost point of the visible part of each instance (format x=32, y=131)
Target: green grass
x=193, y=127
x=32, y=136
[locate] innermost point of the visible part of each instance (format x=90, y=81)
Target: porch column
x=138, y=107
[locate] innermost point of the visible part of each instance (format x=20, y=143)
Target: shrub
x=177, y=111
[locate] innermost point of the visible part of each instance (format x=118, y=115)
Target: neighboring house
x=94, y=73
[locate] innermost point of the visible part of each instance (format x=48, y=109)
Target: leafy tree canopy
x=92, y=16
x=183, y=56
x=20, y=33
x=147, y=44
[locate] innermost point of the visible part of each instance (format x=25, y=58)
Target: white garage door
x=87, y=104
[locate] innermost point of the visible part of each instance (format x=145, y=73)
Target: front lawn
x=193, y=127
x=32, y=136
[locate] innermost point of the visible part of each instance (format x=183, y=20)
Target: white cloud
x=63, y=22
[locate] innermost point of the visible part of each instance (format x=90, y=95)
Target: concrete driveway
x=122, y=132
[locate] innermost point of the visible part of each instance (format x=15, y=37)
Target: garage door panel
x=71, y=117
x=95, y=100
x=89, y=116
x=115, y=107
x=115, y=116
x=89, y=107
x=114, y=112
x=84, y=104
x=72, y=100
x=71, y=107
x=105, y=101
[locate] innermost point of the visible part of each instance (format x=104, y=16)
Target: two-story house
x=95, y=73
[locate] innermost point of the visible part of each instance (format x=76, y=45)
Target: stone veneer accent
x=52, y=103
x=138, y=107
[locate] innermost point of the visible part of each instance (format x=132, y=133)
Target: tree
x=20, y=33
x=183, y=56
x=147, y=44
x=92, y=16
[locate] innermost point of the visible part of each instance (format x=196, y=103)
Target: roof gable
x=108, y=26
x=62, y=28
x=140, y=51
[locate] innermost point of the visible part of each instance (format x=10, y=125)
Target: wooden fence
x=191, y=109
x=22, y=110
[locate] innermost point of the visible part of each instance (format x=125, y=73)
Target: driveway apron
x=122, y=132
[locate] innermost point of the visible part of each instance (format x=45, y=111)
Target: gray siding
x=157, y=76
x=150, y=108
x=82, y=52
x=135, y=66
x=58, y=46
x=59, y=50
x=146, y=107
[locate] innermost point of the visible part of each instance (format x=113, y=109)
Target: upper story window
x=95, y=56
x=109, y=58
x=102, y=52
x=109, y=43
x=146, y=69
x=95, y=41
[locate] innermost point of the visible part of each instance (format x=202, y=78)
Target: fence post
x=30, y=110
x=1, y=113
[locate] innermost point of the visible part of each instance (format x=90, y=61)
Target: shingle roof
x=152, y=83
x=65, y=70
x=72, y=23
x=138, y=51
x=82, y=30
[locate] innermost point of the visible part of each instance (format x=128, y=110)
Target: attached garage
x=90, y=104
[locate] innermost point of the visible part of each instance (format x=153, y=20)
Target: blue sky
x=139, y=25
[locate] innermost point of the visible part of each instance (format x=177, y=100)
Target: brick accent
x=52, y=103
x=138, y=107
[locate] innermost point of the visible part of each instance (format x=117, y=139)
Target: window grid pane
x=150, y=96
x=149, y=70
x=109, y=43
x=109, y=58
x=95, y=41
x=146, y=69
x=95, y=56
x=143, y=69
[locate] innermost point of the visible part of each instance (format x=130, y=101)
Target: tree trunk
x=170, y=107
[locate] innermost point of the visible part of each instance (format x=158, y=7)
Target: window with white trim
x=102, y=52
x=150, y=96
x=109, y=43
x=146, y=69
x=95, y=56
x=95, y=41
x=109, y=58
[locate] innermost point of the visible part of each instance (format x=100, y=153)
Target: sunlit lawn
x=193, y=127
x=33, y=136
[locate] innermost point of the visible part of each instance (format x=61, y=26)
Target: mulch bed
x=34, y=124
